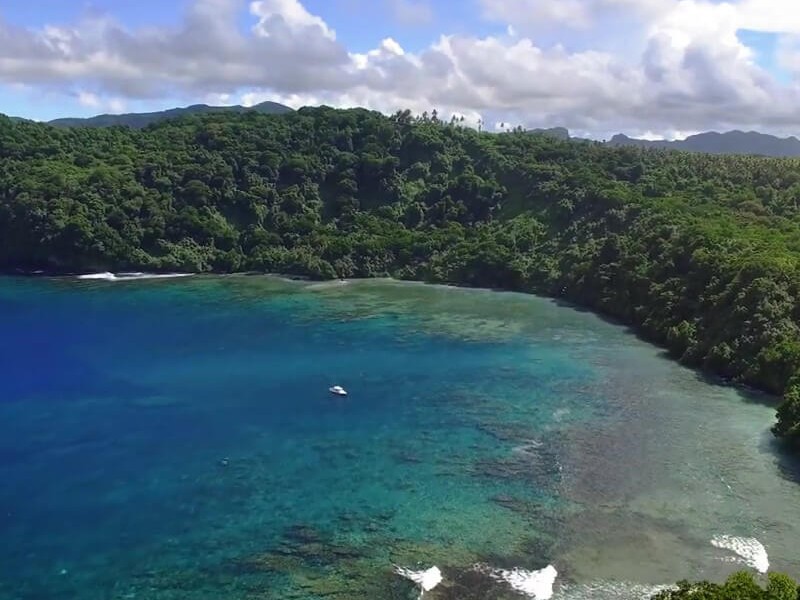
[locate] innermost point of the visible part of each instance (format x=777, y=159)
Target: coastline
x=709, y=375
x=583, y=451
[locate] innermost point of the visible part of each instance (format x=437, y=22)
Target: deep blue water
x=175, y=439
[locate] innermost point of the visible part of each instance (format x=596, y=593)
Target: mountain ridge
x=141, y=120
x=712, y=142
x=734, y=142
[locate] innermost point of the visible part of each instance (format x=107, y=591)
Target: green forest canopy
x=739, y=586
x=697, y=252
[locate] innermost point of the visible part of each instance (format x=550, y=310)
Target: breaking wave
x=529, y=448
x=748, y=550
x=426, y=580
x=324, y=285
x=533, y=584
x=107, y=276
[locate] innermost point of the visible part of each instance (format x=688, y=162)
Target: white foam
x=324, y=285
x=107, y=276
x=560, y=413
x=426, y=580
x=533, y=584
x=530, y=447
x=749, y=550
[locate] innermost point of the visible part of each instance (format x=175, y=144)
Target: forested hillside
x=139, y=120
x=698, y=252
x=739, y=586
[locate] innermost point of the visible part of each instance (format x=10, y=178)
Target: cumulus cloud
x=277, y=16
x=788, y=53
x=98, y=102
x=206, y=54
x=410, y=12
x=537, y=16
x=681, y=68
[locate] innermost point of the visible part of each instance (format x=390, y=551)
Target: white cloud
x=788, y=53
x=576, y=63
x=288, y=13
x=664, y=135
x=101, y=103
x=410, y=12
x=387, y=49
x=116, y=105
x=531, y=12
x=778, y=16
x=577, y=14
x=218, y=99
x=88, y=99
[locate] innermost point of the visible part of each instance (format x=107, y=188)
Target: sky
x=647, y=68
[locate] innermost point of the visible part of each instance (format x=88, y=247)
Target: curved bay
x=174, y=439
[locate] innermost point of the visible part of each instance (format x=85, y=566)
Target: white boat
x=338, y=390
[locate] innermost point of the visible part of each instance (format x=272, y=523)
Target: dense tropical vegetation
x=739, y=586
x=698, y=252
x=139, y=120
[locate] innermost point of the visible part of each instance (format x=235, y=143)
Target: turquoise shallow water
x=175, y=439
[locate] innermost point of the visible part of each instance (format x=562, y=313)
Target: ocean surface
x=175, y=439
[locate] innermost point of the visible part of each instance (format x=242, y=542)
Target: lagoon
x=176, y=439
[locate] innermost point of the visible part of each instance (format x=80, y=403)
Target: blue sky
x=34, y=14
x=641, y=66
x=360, y=24
x=765, y=46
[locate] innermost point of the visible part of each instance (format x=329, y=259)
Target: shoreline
x=509, y=307
x=707, y=375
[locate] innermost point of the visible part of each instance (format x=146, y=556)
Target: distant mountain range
x=139, y=120
x=732, y=142
x=561, y=133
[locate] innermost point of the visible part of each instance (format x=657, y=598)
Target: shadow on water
x=748, y=394
x=787, y=457
x=786, y=454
